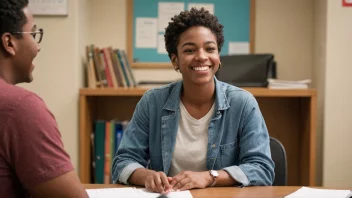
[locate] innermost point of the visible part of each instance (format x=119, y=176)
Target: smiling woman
x=198, y=57
x=197, y=132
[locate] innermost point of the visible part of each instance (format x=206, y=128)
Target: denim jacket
x=238, y=140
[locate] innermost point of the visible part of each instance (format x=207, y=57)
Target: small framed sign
x=48, y=7
x=347, y=3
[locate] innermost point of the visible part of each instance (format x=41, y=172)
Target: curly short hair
x=12, y=17
x=186, y=19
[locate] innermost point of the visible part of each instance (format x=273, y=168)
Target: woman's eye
x=211, y=49
x=188, y=50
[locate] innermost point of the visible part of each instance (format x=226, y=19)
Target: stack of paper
x=306, y=192
x=286, y=84
x=132, y=193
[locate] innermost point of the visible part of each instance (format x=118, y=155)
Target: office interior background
x=311, y=39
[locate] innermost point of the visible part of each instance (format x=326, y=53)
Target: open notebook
x=132, y=193
x=306, y=192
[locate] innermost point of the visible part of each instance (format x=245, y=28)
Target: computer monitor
x=249, y=70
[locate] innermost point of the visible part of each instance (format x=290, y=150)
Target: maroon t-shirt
x=31, y=150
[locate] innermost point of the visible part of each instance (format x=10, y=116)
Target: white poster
x=146, y=32
x=238, y=48
x=166, y=11
x=207, y=6
x=161, y=44
x=48, y=7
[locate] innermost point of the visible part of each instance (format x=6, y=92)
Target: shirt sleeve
x=256, y=167
x=133, y=152
x=34, y=147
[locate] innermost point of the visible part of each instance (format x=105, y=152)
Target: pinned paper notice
x=238, y=48
x=161, y=44
x=146, y=32
x=207, y=6
x=166, y=11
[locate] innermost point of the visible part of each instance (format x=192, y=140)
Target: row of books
x=108, y=67
x=105, y=141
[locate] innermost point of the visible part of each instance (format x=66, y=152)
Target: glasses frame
x=34, y=33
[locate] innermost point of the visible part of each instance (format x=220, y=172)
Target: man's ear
x=174, y=60
x=8, y=43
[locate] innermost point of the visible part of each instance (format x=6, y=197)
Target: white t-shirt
x=190, y=150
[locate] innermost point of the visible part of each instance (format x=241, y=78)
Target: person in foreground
x=198, y=132
x=33, y=162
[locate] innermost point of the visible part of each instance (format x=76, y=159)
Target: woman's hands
x=158, y=182
x=186, y=180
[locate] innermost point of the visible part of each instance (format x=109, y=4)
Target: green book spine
x=99, y=142
x=112, y=143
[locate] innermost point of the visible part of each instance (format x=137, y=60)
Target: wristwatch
x=215, y=175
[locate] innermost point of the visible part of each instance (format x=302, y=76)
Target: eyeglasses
x=38, y=39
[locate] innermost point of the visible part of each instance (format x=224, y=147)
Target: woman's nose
x=201, y=55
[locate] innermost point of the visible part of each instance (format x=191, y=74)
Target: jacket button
x=213, y=145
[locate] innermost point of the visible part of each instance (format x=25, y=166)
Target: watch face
x=215, y=173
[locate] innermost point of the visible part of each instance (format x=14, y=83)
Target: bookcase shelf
x=258, y=92
x=290, y=116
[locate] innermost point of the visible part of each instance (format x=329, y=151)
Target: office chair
x=278, y=154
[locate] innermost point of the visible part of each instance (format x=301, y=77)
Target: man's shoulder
x=12, y=96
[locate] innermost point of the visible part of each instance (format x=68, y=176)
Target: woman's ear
x=174, y=60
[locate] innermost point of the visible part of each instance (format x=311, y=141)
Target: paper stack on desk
x=132, y=193
x=306, y=192
x=288, y=84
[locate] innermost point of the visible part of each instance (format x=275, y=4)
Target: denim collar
x=221, y=102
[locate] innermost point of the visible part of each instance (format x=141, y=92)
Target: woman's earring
x=219, y=66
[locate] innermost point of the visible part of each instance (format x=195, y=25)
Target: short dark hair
x=186, y=19
x=12, y=18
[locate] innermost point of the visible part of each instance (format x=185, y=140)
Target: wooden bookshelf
x=290, y=116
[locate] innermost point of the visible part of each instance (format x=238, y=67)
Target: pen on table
x=162, y=196
x=349, y=194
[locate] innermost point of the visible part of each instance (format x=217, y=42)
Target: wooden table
x=225, y=192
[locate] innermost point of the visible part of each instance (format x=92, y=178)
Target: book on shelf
x=288, y=84
x=106, y=138
x=108, y=68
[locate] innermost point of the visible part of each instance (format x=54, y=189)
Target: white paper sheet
x=146, y=32
x=207, y=6
x=238, y=48
x=166, y=11
x=161, y=44
x=132, y=193
x=306, y=192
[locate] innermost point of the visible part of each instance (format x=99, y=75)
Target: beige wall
x=58, y=75
x=285, y=28
x=337, y=153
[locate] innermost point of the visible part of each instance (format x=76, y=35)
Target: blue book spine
x=119, y=132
